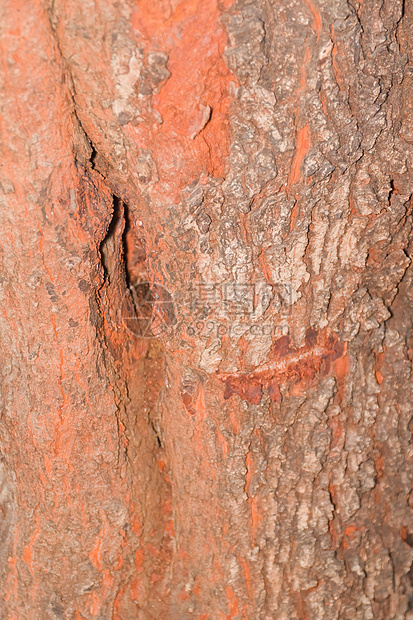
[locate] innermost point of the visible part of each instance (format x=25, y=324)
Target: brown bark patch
x=322, y=353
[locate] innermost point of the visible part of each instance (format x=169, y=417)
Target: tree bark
x=206, y=309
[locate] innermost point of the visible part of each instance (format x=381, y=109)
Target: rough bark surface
x=206, y=309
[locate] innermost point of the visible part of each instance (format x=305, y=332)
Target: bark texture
x=206, y=309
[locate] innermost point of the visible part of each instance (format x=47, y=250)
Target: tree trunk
x=206, y=309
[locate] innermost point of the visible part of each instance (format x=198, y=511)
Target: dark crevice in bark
x=156, y=433
x=130, y=280
x=117, y=216
x=120, y=217
x=402, y=12
x=94, y=153
x=129, y=290
x=392, y=190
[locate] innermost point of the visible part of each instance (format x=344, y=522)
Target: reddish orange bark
x=206, y=310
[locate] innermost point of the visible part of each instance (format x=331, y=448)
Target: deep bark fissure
x=117, y=219
x=94, y=153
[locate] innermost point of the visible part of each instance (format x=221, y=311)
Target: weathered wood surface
x=240, y=446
